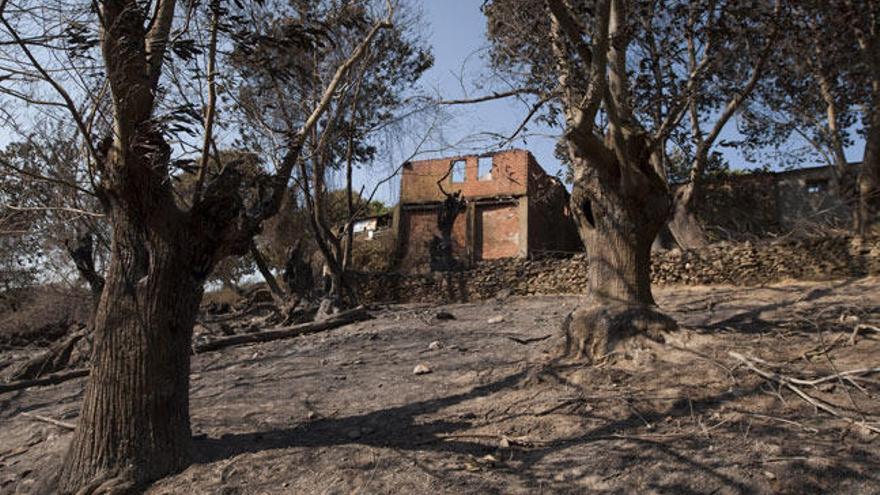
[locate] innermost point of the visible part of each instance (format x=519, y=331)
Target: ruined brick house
x=513, y=209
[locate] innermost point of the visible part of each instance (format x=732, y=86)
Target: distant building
x=769, y=203
x=805, y=196
x=513, y=209
x=366, y=228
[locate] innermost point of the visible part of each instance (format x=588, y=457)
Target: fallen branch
x=529, y=340
x=789, y=383
x=46, y=380
x=842, y=374
x=51, y=421
x=340, y=319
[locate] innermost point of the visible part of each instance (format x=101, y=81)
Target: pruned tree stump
x=597, y=331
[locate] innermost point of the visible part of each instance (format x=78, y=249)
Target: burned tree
x=578, y=58
x=134, y=424
x=279, y=85
x=810, y=107
x=440, y=248
x=620, y=199
x=825, y=90
x=729, y=46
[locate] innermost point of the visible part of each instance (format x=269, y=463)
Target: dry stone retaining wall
x=815, y=258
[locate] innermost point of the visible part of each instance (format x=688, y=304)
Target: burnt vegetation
x=194, y=186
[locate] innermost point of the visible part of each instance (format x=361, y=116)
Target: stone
x=433, y=346
x=735, y=263
x=495, y=319
x=421, y=369
x=504, y=293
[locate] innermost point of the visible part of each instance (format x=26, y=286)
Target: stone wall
x=723, y=263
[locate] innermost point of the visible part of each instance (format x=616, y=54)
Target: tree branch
x=494, y=96
x=156, y=40
x=68, y=100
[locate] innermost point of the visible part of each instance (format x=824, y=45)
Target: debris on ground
x=339, y=411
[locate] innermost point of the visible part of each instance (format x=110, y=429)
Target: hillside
x=343, y=412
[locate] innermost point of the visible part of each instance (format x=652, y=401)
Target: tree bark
x=134, y=425
x=619, y=212
x=686, y=227
x=869, y=177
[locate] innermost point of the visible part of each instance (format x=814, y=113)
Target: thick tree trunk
x=685, y=226
x=618, y=221
x=134, y=424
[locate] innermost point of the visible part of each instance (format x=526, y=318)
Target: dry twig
x=859, y=328
x=790, y=383
x=51, y=421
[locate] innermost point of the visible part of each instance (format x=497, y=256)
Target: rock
x=443, y=315
x=495, y=319
x=503, y=294
x=737, y=263
x=421, y=369
x=433, y=346
x=327, y=309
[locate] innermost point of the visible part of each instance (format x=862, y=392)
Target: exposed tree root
x=595, y=332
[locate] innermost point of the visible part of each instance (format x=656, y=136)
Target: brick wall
x=497, y=231
x=417, y=228
x=509, y=178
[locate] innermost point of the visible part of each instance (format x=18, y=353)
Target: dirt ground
x=342, y=412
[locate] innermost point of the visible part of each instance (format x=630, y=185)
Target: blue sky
x=456, y=31
x=457, y=35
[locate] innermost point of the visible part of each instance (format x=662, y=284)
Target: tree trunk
x=274, y=287
x=618, y=220
x=869, y=178
x=686, y=227
x=134, y=425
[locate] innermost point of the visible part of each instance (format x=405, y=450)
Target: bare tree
x=134, y=424
x=580, y=56
x=374, y=100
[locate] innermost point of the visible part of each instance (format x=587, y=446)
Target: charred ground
x=342, y=411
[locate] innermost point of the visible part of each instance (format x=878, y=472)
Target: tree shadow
x=399, y=428
x=752, y=322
